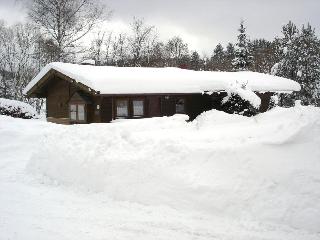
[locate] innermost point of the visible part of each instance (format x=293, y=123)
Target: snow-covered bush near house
x=17, y=109
x=221, y=176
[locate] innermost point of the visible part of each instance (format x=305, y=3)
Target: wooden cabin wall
x=106, y=109
x=168, y=105
x=95, y=112
x=58, y=95
x=265, y=101
x=153, y=106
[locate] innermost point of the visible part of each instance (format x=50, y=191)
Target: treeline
x=56, y=30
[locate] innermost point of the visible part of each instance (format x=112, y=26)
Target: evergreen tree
x=229, y=55
x=243, y=58
x=300, y=60
x=218, y=59
x=195, y=61
x=264, y=55
x=286, y=66
x=308, y=65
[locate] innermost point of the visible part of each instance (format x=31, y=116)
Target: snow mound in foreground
x=264, y=168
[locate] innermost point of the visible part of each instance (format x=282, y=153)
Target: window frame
x=71, y=111
x=132, y=107
x=184, y=105
x=130, y=101
x=77, y=112
x=116, y=108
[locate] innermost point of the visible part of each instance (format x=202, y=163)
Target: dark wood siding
x=265, y=101
x=96, y=111
x=60, y=92
x=106, y=109
x=168, y=105
x=58, y=95
x=153, y=106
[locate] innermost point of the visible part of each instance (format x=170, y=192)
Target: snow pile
x=126, y=80
x=264, y=168
x=17, y=109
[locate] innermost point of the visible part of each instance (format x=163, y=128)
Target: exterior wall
x=158, y=105
x=58, y=95
x=102, y=108
x=94, y=110
x=106, y=109
x=153, y=106
x=265, y=101
x=168, y=105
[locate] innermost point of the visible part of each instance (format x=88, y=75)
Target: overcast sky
x=201, y=23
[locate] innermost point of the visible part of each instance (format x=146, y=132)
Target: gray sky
x=202, y=23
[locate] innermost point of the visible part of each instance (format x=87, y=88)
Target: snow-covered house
x=88, y=94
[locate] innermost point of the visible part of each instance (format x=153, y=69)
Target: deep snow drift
x=219, y=177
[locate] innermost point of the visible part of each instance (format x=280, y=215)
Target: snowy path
x=36, y=208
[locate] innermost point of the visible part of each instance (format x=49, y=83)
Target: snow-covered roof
x=134, y=80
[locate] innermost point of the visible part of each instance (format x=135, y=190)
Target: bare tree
x=96, y=50
x=16, y=64
x=120, y=53
x=176, y=51
x=141, y=34
x=66, y=21
x=108, y=48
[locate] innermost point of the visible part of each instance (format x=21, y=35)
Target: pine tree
x=195, y=62
x=308, y=66
x=229, y=55
x=286, y=66
x=300, y=61
x=218, y=59
x=264, y=56
x=243, y=58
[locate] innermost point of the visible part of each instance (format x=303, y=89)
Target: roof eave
x=52, y=72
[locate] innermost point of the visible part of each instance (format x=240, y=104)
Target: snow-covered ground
x=219, y=177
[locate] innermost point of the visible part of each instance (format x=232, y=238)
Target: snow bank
x=264, y=168
x=17, y=109
x=125, y=80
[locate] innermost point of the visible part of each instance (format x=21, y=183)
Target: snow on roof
x=134, y=80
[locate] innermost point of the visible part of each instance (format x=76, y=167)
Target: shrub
x=236, y=105
x=17, y=109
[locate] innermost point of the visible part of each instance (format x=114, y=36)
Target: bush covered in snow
x=17, y=109
x=236, y=104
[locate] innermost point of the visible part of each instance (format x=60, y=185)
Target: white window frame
x=77, y=119
x=178, y=111
x=133, y=108
x=122, y=116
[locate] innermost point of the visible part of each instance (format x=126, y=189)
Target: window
x=77, y=112
x=73, y=112
x=81, y=112
x=137, y=108
x=180, y=105
x=122, y=108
